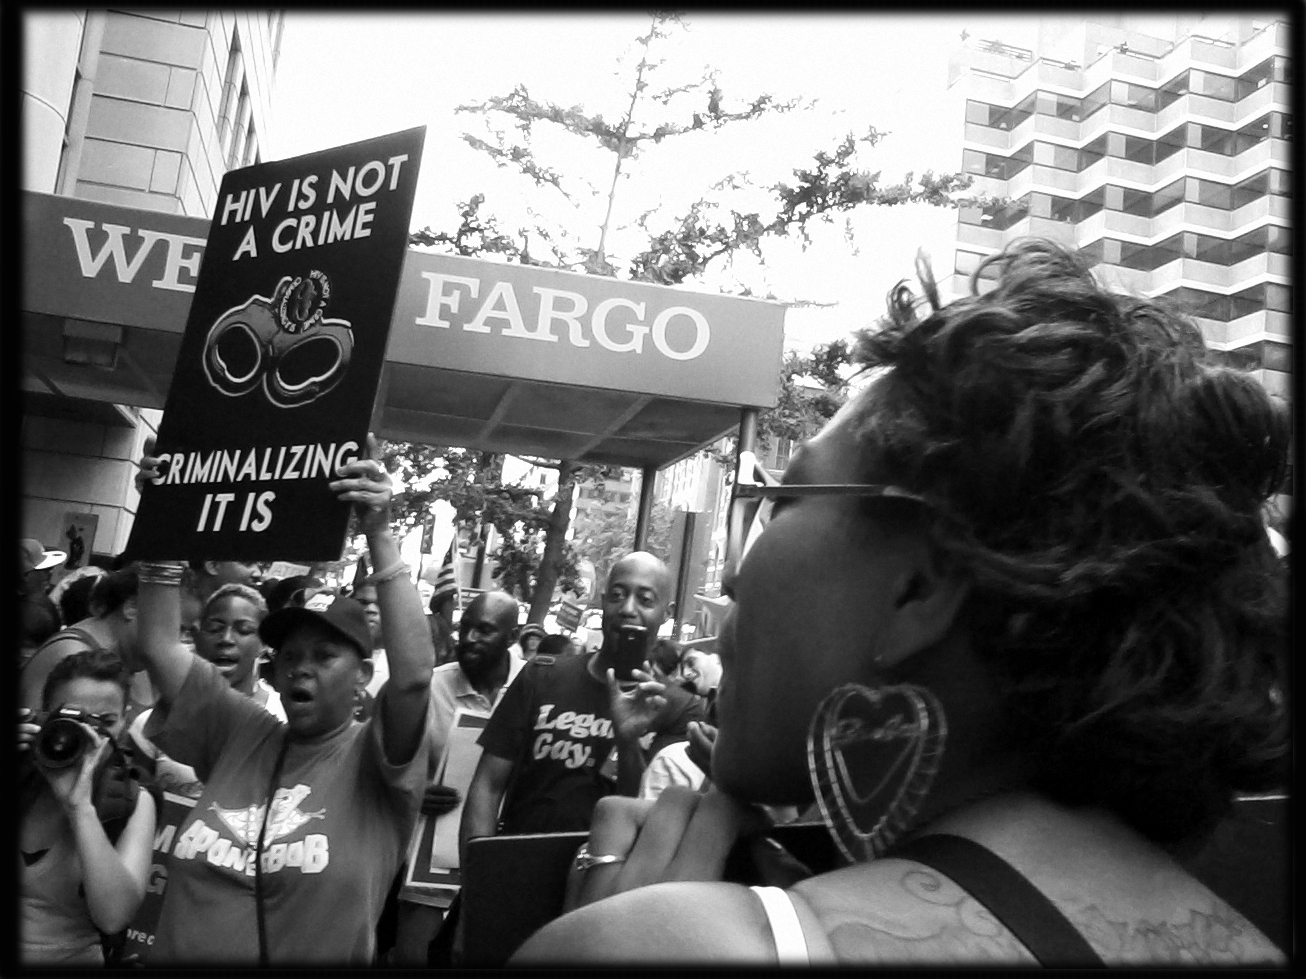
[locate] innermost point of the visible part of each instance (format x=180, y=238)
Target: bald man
x=484, y=665
x=566, y=734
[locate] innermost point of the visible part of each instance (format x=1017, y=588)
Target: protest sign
x=433, y=876
x=279, y=365
x=140, y=933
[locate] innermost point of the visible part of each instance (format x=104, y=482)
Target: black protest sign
x=279, y=365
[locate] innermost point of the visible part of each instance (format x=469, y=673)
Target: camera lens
x=60, y=743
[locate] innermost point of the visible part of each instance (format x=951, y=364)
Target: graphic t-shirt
x=339, y=820
x=554, y=723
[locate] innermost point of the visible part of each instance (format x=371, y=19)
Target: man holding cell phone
x=568, y=728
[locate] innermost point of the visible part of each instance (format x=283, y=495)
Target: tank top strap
x=786, y=930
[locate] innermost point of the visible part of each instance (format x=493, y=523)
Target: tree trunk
x=554, y=542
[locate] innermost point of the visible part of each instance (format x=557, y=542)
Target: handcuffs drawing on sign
x=277, y=329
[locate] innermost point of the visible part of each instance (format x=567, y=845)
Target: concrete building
x=1160, y=145
x=147, y=109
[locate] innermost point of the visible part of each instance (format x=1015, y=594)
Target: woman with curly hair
x=1013, y=621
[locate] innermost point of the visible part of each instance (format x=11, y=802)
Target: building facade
x=147, y=109
x=1159, y=146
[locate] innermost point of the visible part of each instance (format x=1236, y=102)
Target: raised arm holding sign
x=279, y=365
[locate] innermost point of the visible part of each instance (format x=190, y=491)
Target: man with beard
x=483, y=666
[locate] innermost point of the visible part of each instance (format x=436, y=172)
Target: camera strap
x=258, y=851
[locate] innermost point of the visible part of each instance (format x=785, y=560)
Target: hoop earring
x=872, y=754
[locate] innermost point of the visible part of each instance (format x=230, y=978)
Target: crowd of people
x=1010, y=626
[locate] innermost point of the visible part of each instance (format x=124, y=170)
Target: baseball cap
x=35, y=557
x=287, y=591
x=343, y=616
x=531, y=629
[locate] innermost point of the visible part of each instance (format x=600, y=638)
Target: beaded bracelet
x=394, y=571
x=160, y=573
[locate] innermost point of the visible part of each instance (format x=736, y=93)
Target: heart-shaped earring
x=872, y=754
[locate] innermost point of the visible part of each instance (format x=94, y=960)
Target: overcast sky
x=346, y=77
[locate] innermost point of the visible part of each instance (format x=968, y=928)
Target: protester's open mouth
x=300, y=696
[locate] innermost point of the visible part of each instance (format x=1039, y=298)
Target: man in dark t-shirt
x=565, y=734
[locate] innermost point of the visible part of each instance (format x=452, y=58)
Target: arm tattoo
x=954, y=928
x=934, y=920
x=1219, y=936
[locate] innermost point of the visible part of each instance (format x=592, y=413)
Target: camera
x=62, y=741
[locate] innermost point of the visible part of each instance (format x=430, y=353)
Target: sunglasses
x=752, y=503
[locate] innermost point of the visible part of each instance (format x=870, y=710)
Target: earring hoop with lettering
x=872, y=754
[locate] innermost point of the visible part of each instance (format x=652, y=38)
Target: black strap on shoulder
x=1012, y=899
x=71, y=632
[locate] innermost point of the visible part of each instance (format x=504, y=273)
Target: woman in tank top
x=1013, y=621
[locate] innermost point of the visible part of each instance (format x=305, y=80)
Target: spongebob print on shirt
x=310, y=854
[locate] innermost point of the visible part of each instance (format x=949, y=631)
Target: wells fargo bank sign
x=98, y=262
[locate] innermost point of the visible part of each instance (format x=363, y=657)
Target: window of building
x=1091, y=203
x=1172, y=90
x=240, y=129
x=1205, y=248
x=1252, y=189
x=973, y=161
x=1257, y=78
x=1170, y=144
x=1139, y=150
x=1208, y=193
x=1021, y=111
x=996, y=216
x=1244, y=303
x=1019, y=160
x=1133, y=96
x=1090, y=153
x=1059, y=106
x=1212, y=139
x=1145, y=258
x=981, y=113
x=1168, y=196
x=1055, y=155
x=233, y=84
x=783, y=449
x=1198, y=302
x=1099, y=97
x=1213, y=86
x=1276, y=356
x=1063, y=209
x=1166, y=252
x=1278, y=297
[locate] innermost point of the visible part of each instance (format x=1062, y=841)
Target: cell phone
x=632, y=650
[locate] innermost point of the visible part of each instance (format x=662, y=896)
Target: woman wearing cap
x=289, y=853
x=1015, y=624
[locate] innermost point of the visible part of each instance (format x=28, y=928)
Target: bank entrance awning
x=505, y=358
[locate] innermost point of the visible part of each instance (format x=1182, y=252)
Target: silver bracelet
x=160, y=573
x=394, y=571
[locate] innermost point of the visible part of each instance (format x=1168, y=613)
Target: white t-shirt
x=380, y=672
x=670, y=766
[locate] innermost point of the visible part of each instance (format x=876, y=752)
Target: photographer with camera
x=87, y=830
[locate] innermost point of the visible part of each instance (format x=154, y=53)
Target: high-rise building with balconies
x=1160, y=146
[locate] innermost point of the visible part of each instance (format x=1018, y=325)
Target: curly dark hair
x=94, y=664
x=1103, y=483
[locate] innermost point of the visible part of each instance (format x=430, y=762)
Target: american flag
x=446, y=582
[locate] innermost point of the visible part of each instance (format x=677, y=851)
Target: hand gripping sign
x=284, y=342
